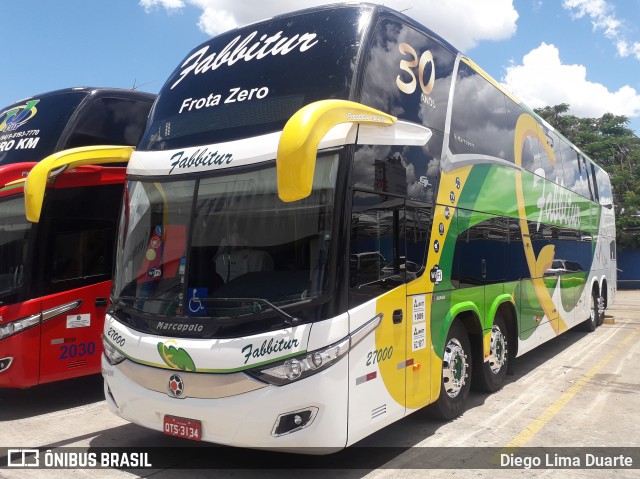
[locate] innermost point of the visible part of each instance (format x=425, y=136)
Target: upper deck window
x=107, y=121
x=250, y=81
x=479, y=121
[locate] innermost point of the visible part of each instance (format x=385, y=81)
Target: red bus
x=58, y=218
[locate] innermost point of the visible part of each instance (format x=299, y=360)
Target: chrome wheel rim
x=498, y=350
x=454, y=368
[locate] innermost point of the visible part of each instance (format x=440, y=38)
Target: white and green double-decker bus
x=335, y=219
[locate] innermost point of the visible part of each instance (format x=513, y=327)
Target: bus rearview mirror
x=298, y=146
x=53, y=165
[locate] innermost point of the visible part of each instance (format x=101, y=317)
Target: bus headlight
x=112, y=354
x=18, y=326
x=300, y=367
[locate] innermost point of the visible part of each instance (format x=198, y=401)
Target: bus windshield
x=224, y=246
x=14, y=239
x=30, y=129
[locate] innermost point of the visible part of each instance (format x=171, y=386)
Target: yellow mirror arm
x=298, y=147
x=40, y=174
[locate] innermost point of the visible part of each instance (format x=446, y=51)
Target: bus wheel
x=456, y=371
x=591, y=322
x=489, y=375
x=600, y=310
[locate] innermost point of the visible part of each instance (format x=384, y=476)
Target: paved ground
x=580, y=390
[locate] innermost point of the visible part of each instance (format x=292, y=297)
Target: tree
x=611, y=144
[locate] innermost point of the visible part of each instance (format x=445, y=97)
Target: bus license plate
x=185, y=428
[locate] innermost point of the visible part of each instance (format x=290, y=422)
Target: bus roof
x=86, y=90
x=37, y=126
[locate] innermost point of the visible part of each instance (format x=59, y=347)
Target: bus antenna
x=136, y=87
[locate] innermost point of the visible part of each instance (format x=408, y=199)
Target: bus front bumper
x=263, y=417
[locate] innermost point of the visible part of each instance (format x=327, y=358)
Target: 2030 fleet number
x=77, y=350
x=379, y=355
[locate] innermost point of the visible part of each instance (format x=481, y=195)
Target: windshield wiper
x=288, y=319
x=132, y=299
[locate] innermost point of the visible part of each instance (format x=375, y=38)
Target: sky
x=582, y=52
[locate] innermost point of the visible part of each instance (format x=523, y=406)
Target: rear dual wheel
x=456, y=374
x=596, y=313
x=489, y=375
x=600, y=310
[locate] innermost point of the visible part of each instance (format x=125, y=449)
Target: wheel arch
x=468, y=314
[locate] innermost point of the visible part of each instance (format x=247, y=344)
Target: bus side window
x=573, y=248
x=552, y=166
x=604, y=190
x=586, y=189
x=530, y=149
x=408, y=171
x=594, y=183
x=111, y=121
x=377, y=251
x=571, y=167
x=481, y=129
x=480, y=252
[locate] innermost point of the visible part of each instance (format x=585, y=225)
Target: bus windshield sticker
x=152, y=262
x=194, y=298
x=418, y=308
x=419, y=336
x=435, y=275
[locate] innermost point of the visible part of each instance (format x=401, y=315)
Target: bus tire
x=455, y=381
x=591, y=323
x=601, y=305
x=489, y=375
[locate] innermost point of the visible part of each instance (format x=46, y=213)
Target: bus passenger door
x=376, y=289
x=76, y=246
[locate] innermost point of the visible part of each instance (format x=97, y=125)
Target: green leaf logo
x=175, y=358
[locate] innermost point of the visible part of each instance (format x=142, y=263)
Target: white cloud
x=603, y=17
x=167, y=4
x=543, y=80
x=464, y=23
